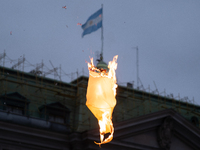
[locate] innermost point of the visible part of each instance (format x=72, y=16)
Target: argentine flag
x=93, y=23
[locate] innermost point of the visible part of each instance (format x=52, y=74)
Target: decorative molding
x=165, y=133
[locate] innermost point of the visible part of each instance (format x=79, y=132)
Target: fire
x=102, y=124
x=101, y=94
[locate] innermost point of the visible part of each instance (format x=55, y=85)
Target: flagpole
x=101, y=55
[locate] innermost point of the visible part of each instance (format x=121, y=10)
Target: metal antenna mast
x=101, y=55
x=137, y=65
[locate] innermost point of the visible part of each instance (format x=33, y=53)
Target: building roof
x=41, y=91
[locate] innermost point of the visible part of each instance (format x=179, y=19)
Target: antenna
x=97, y=55
x=101, y=55
x=137, y=65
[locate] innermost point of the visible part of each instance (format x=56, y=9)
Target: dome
x=102, y=65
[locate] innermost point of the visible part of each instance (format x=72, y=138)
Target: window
x=55, y=112
x=56, y=118
x=15, y=109
x=14, y=103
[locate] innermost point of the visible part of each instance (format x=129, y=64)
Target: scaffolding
x=38, y=90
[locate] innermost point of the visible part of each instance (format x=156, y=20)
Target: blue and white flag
x=93, y=23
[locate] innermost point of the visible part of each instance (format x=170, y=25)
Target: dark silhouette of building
x=39, y=113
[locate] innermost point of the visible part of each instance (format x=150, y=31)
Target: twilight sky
x=167, y=34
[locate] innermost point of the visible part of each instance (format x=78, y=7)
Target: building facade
x=39, y=113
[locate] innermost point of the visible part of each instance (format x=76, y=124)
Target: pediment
x=166, y=130
x=55, y=108
x=57, y=105
x=14, y=96
x=14, y=99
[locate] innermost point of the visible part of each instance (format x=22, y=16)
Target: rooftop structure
x=34, y=95
x=40, y=103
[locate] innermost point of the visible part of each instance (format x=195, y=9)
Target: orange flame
x=101, y=94
x=102, y=124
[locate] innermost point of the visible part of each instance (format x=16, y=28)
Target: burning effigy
x=101, y=93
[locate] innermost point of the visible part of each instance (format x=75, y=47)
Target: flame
x=105, y=121
x=102, y=124
x=113, y=66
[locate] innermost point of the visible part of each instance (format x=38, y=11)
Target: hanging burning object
x=101, y=92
